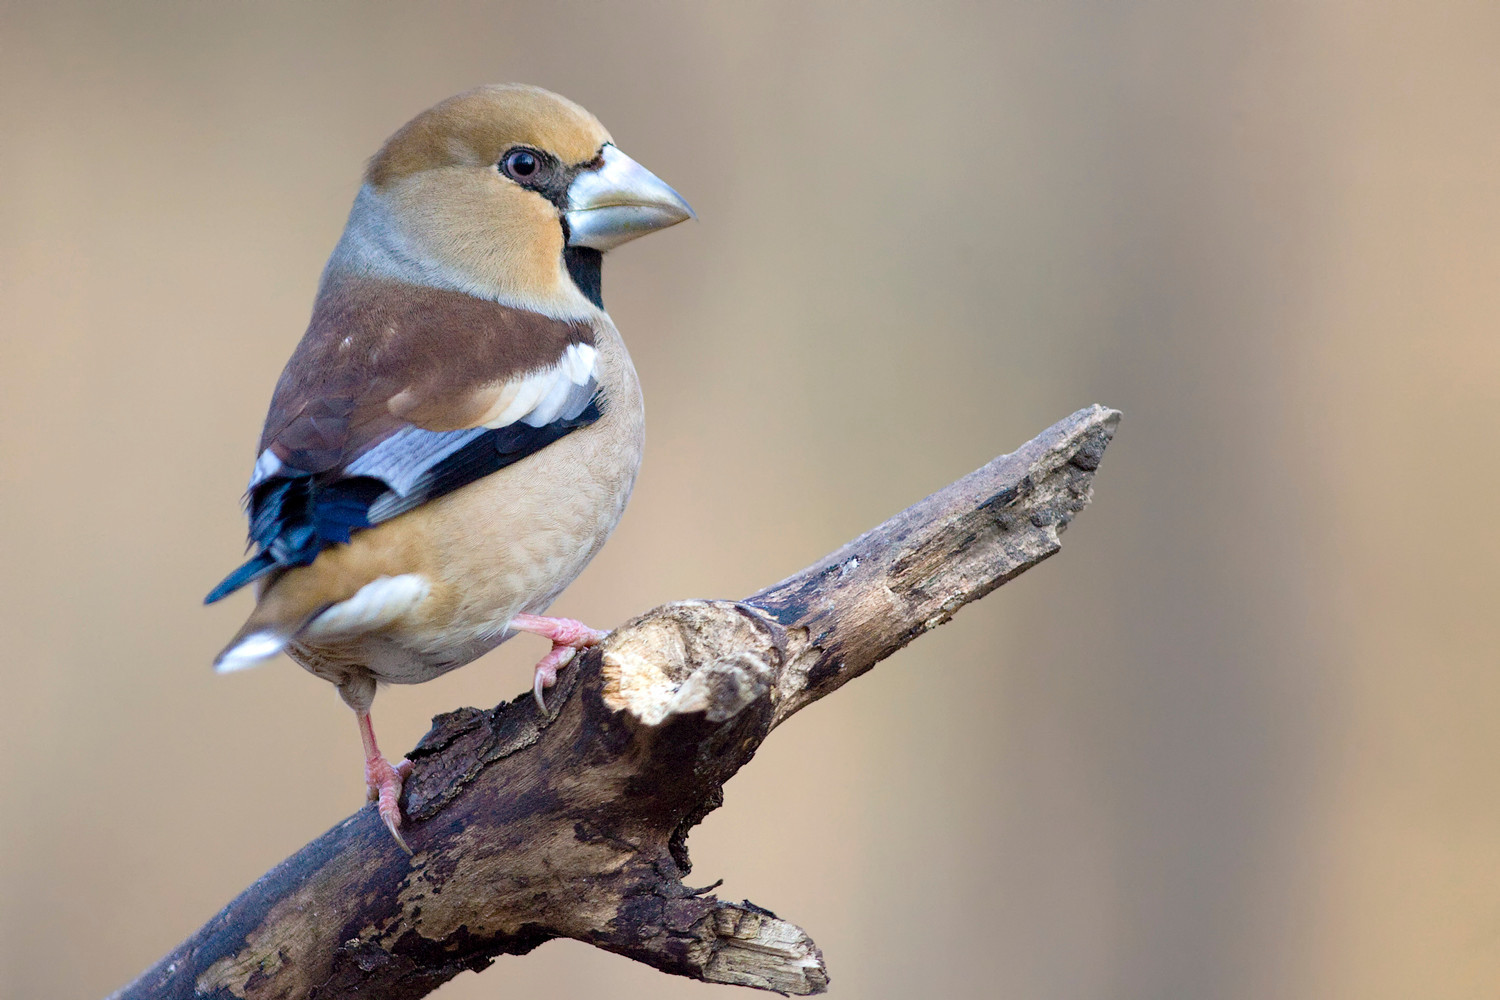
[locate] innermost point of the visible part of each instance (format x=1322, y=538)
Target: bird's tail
x=282, y=611
x=250, y=649
x=253, y=569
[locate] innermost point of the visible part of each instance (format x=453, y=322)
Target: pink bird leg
x=383, y=780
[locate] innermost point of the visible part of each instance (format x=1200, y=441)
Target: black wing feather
x=295, y=515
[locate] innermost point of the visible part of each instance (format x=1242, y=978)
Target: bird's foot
x=567, y=636
x=383, y=782
x=546, y=671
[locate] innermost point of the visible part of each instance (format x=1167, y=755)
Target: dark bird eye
x=522, y=165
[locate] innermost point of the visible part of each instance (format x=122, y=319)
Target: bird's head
x=509, y=192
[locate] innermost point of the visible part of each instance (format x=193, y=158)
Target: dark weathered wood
x=528, y=826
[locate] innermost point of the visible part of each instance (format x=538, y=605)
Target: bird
x=460, y=428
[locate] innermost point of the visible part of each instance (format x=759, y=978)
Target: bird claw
x=568, y=637
x=383, y=783
x=540, y=681
x=546, y=672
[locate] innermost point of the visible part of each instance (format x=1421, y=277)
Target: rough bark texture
x=529, y=826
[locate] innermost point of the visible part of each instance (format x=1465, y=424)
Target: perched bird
x=459, y=430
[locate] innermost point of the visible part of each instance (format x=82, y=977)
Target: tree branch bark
x=529, y=826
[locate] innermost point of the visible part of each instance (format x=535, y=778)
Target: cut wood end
x=648, y=664
x=756, y=948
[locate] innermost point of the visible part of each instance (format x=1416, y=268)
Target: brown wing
x=398, y=395
x=379, y=356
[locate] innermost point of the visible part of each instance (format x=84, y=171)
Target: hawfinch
x=458, y=431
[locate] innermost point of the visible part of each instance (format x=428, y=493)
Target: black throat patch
x=585, y=267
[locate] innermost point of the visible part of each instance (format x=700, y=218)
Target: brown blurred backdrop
x=1241, y=739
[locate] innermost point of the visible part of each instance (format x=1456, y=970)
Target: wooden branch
x=530, y=826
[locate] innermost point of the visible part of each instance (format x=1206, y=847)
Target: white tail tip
x=251, y=651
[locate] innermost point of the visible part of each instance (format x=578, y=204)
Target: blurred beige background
x=1240, y=739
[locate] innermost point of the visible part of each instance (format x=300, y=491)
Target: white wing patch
x=266, y=466
x=561, y=391
x=377, y=604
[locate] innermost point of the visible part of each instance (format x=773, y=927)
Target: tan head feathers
x=474, y=128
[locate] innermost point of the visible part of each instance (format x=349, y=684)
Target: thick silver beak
x=618, y=201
